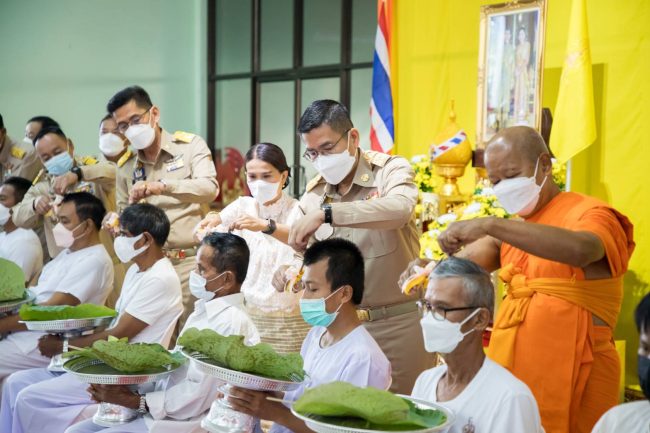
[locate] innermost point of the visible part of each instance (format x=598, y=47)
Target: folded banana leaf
x=231, y=352
x=12, y=281
x=64, y=312
x=130, y=358
x=344, y=404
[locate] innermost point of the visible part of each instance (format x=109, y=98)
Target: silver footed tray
x=97, y=372
x=237, y=378
x=60, y=326
x=14, y=304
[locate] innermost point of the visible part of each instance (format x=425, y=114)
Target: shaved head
x=521, y=140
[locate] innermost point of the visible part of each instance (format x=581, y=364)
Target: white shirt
x=494, y=401
x=631, y=417
x=188, y=394
x=357, y=359
x=23, y=247
x=267, y=254
x=154, y=297
x=86, y=274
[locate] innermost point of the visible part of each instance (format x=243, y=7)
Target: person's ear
x=346, y=294
x=229, y=280
x=355, y=139
x=155, y=114
x=546, y=164
x=283, y=179
x=482, y=319
x=146, y=239
x=70, y=147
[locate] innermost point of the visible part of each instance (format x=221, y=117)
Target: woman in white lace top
x=263, y=220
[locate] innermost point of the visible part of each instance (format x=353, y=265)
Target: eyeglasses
x=439, y=313
x=311, y=154
x=123, y=126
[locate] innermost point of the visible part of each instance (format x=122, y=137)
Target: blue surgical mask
x=314, y=311
x=59, y=164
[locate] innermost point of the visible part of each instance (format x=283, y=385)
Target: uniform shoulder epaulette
x=124, y=158
x=184, y=137
x=312, y=183
x=377, y=158
x=17, y=152
x=87, y=160
x=38, y=176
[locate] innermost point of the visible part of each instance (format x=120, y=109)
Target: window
x=269, y=59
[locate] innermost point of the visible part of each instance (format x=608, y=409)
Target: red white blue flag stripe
x=382, y=125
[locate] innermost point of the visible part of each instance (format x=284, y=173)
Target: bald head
x=523, y=141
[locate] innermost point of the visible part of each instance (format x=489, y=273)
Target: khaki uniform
x=377, y=215
x=186, y=167
x=21, y=157
x=102, y=187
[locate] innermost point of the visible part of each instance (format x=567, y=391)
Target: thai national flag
x=382, y=125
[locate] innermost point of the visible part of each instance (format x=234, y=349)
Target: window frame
x=297, y=73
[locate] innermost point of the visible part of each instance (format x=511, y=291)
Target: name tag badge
x=138, y=174
x=175, y=163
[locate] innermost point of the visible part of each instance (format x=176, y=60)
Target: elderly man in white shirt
x=484, y=396
x=18, y=245
x=82, y=273
x=149, y=306
x=338, y=347
x=179, y=404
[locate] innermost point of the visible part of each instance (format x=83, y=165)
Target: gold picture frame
x=510, y=68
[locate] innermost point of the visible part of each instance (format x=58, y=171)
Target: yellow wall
x=436, y=60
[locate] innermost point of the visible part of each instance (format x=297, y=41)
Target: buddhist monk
x=562, y=263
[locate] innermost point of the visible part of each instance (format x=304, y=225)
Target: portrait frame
x=510, y=67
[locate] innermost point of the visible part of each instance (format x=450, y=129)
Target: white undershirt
x=23, y=247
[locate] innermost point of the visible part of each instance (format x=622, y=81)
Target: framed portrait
x=511, y=61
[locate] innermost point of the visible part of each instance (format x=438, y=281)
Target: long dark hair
x=271, y=154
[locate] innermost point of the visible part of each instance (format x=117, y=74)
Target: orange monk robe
x=543, y=332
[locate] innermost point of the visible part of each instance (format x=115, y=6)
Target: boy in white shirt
x=634, y=417
x=179, y=404
x=338, y=347
x=484, y=396
x=82, y=273
x=149, y=306
x=18, y=245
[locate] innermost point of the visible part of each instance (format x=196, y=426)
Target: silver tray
x=238, y=378
x=96, y=372
x=56, y=326
x=318, y=425
x=14, y=305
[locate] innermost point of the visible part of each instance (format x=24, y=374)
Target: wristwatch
x=271, y=228
x=327, y=208
x=77, y=171
x=143, y=409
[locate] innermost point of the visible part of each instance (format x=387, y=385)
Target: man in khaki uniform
x=17, y=158
x=57, y=179
x=174, y=172
x=369, y=199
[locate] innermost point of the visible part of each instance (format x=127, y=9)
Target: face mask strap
x=467, y=318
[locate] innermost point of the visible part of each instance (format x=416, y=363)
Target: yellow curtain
x=436, y=59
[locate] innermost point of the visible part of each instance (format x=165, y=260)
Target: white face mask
x=111, y=144
x=5, y=213
x=519, y=195
x=262, y=191
x=125, y=247
x=141, y=135
x=197, y=286
x=442, y=336
x=64, y=238
x=336, y=166
x=28, y=140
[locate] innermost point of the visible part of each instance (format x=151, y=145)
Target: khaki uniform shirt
x=185, y=165
x=100, y=185
x=377, y=214
x=18, y=159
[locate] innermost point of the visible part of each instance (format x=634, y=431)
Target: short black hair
x=345, y=265
x=232, y=254
x=144, y=217
x=49, y=130
x=135, y=93
x=2, y=122
x=325, y=112
x=45, y=121
x=20, y=186
x=642, y=314
x=106, y=117
x=87, y=206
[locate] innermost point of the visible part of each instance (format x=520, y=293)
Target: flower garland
x=425, y=179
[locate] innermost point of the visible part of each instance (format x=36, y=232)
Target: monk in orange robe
x=563, y=266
